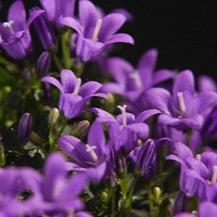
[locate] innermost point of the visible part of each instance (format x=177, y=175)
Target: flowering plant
x=84, y=133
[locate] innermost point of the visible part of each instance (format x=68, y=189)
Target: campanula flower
x=198, y=173
x=94, y=31
x=125, y=130
x=73, y=95
x=184, y=108
x=180, y=203
x=15, y=37
x=130, y=82
x=90, y=157
x=56, y=9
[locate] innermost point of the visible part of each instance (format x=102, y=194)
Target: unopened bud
x=82, y=126
x=104, y=196
x=44, y=62
x=25, y=126
x=157, y=194
x=179, y=203
x=53, y=116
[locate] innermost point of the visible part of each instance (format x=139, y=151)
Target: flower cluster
x=114, y=139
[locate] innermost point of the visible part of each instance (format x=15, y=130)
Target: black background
x=183, y=31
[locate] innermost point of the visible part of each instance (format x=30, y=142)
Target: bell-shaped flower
x=56, y=9
x=15, y=37
x=130, y=82
x=185, y=108
x=73, y=95
x=91, y=157
x=94, y=31
x=125, y=130
x=198, y=173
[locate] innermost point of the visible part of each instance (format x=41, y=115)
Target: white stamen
x=90, y=150
x=181, y=102
x=9, y=25
x=214, y=175
x=59, y=184
x=124, y=114
x=135, y=75
x=198, y=157
x=77, y=86
x=97, y=30
x=70, y=213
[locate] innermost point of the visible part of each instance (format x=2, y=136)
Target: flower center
x=135, y=75
x=77, y=86
x=90, y=150
x=181, y=102
x=8, y=25
x=97, y=30
x=124, y=115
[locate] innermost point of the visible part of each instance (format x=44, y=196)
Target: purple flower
x=56, y=9
x=59, y=192
x=206, y=209
x=198, y=174
x=13, y=183
x=25, y=126
x=180, y=203
x=125, y=130
x=94, y=32
x=130, y=82
x=206, y=83
x=43, y=28
x=91, y=157
x=184, y=108
x=15, y=37
x=73, y=95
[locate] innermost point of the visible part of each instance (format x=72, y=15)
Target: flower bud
x=157, y=194
x=44, y=62
x=81, y=127
x=25, y=126
x=179, y=203
x=43, y=28
x=53, y=116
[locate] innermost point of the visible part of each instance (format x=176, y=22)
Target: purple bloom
x=43, y=28
x=131, y=82
x=125, y=130
x=91, y=157
x=74, y=96
x=184, y=108
x=94, y=32
x=198, y=174
x=56, y=9
x=206, y=209
x=15, y=37
x=206, y=83
x=25, y=126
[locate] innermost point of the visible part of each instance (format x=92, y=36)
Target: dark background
x=183, y=31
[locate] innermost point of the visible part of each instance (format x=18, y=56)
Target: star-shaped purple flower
x=90, y=157
x=73, y=95
x=95, y=32
x=184, y=108
x=15, y=37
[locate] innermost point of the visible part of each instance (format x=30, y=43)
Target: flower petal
x=184, y=82
x=120, y=38
x=53, y=81
x=89, y=88
x=68, y=80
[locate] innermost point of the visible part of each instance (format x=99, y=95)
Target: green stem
x=65, y=40
x=113, y=214
x=55, y=59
